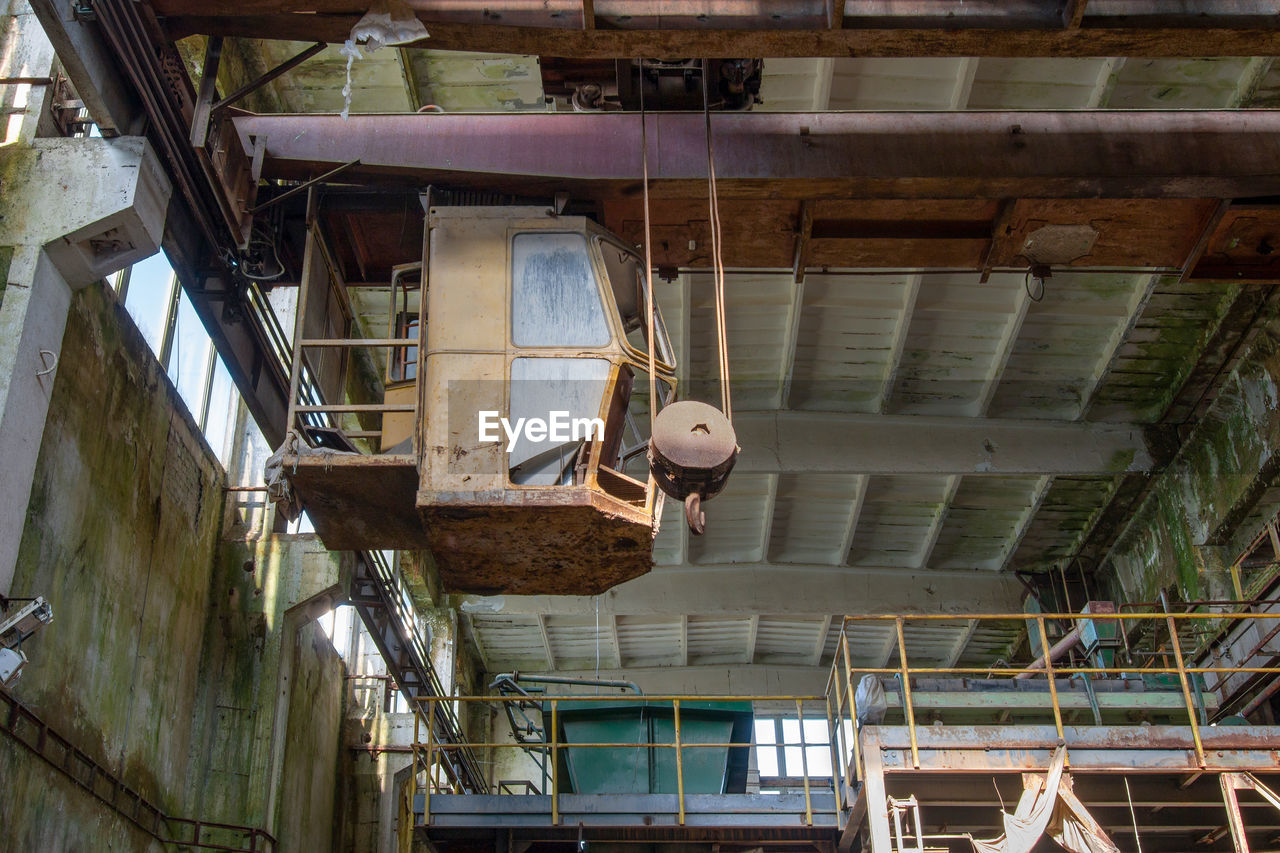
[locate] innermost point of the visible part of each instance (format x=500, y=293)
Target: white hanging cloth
x=1048, y=805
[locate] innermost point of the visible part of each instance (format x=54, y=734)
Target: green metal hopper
x=652, y=770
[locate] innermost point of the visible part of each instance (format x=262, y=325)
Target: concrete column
x=32, y=318
x=74, y=211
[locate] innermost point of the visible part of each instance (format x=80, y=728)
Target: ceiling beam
x=939, y=521
x=967, y=154
x=1008, y=339
x=901, y=36
x=898, y=340
x=851, y=522
x=745, y=589
x=804, y=442
x=962, y=642
x=824, y=628
x=546, y=641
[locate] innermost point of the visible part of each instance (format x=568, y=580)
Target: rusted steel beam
x=994, y=34
x=1156, y=154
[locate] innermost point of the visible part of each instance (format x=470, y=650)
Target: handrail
x=135, y=806
x=1184, y=694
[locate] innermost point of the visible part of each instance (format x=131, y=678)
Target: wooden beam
x=1073, y=13
x=588, y=14
x=913, y=38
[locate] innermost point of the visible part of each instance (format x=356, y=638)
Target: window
x=554, y=298
x=189, y=357
x=148, y=297
x=168, y=322
x=627, y=280
x=785, y=749
x=574, y=387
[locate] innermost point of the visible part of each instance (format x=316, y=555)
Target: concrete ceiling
x=786, y=551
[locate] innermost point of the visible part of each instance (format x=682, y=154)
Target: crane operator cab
x=513, y=426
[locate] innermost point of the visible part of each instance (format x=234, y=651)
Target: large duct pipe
x=1058, y=649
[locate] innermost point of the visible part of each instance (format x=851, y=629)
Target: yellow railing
x=426, y=753
x=902, y=638
x=841, y=685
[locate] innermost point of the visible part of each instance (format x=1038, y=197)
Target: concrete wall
x=1173, y=541
x=188, y=666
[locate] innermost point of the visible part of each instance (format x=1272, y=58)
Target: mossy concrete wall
x=206, y=687
x=1223, y=468
x=121, y=528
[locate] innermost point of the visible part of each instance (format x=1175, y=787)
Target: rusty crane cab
x=507, y=428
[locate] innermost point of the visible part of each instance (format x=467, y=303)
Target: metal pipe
x=1059, y=649
x=516, y=678
x=1256, y=702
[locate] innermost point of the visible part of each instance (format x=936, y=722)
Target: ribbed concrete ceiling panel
x=756, y=318
x=899, y=516
x=847, y=345
x=735, y=532
x=812, y=514
x=790, y=640
x=985, y=518
x=712, y=641
x=1067, y=342
x=956, y=343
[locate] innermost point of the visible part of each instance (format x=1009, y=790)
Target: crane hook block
x=691, y=452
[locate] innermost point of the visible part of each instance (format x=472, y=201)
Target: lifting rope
x=648, y=259
x=722, y=336
x=717, y=255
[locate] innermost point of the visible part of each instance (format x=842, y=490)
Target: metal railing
x=308, y=407
x=27, y=728
x=1173, y=688
x=1166, y=658
x=428, y=753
